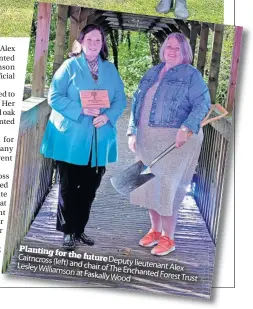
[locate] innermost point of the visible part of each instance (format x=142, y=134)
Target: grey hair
x=184, y=47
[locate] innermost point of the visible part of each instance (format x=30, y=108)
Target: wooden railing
x=210, y=175
x=32, y=174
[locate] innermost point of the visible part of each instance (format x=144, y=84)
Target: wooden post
x=215, y=61
x=195, y=27
x=183, y=27
x=96, y=17
x=41, y=49
x=160, y=36
x=60, y=36
x=203, y=48
x=74, y=24
x=84, y=18
x=79, y=19
x=234, y=68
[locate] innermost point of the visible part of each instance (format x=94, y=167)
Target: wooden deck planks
x=117, y=225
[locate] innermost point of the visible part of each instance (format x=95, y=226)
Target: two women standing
x=171, y=101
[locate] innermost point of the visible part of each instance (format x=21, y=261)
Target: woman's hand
x=181, y=137
x=132, y=143
x=100, y=121
x=91, y=111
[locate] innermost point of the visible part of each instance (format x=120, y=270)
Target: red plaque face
x=95, y=98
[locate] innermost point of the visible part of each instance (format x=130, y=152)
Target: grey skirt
x=173, y=173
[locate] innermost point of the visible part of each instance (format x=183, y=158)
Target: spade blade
x=131, y=178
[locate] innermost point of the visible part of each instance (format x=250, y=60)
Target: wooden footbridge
x=116, y=225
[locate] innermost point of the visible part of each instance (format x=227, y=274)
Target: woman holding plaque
x=171, y=101
x=87, y=98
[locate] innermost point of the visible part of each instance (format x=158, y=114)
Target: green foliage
x=30, y=62
x=134, y=59
x=225, y=65
x=134, y=56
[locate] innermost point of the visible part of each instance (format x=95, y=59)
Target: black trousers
x=77, y=190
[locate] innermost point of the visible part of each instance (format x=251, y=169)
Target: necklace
x=93, y=66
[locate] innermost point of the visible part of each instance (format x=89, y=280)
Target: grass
x=16, y=15
x=15, y=18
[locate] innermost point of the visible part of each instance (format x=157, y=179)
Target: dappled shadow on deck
x=116, y=225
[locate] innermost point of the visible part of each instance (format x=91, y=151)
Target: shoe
x=150, y=239
x=181, y=9
x=85, y=239
x=69, y=242
x=164, y=6
x=165, y=246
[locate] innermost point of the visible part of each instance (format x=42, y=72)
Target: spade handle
x=221, y=110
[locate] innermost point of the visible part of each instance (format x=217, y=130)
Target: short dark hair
x=77, y=48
